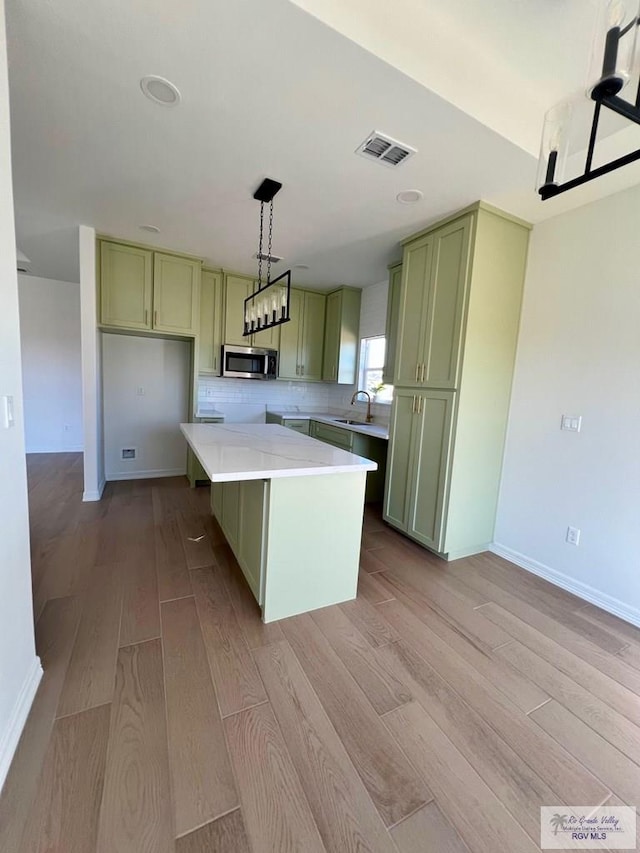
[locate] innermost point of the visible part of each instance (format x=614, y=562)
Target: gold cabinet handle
x=422, y=373
x=146, y=316
x=420, y=405
x=413, y=405
x=155, y=318
x=418, y=372
x=302, y=370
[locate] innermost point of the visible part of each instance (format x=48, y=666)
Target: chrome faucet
x=353, y=399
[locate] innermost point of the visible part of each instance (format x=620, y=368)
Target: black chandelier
x=614, y=61
x=268, y=306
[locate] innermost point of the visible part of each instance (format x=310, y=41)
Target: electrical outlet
x=140, y=391
x=67, y=427
x=573, y=535
x=572, y=423
x=128, y=453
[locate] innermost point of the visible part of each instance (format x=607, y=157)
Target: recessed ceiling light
x=160, y=90
x=152, y=229
x=409, y=196
x=300, y=267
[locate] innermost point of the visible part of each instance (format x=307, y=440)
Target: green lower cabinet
x=418, y=464
x=300, y=425
x=240, y=509
x=369, y=447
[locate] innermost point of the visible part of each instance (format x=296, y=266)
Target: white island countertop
x=233, y=452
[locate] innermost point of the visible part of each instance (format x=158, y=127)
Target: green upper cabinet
x=236, y=289
x=302, y=338
x=341, y=336
x=311, y=345
x=447, y=292
x=126, y=286
x=142, y=289
x=210, y=336
x=393, y=317
x=176, y=294
x=433, y=287
x=288, y=361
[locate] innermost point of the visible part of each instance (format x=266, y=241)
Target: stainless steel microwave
x=249, y=362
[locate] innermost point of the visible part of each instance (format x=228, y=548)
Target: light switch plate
x=572, y=423
x=8, y=416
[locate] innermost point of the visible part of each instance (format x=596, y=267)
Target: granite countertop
x=373, y=429
x=233, y=452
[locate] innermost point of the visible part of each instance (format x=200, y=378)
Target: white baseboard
x=11, y=735
x=78, y=449
x=94, y=494
x=582, y=590
x=148, y=475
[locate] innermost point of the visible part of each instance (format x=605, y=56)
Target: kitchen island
x=291, y=509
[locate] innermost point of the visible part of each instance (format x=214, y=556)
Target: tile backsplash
x=314, y=396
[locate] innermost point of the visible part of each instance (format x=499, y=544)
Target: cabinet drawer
x=342, y=438
x=297, y=424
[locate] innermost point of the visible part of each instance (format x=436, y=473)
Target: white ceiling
x=270, y=90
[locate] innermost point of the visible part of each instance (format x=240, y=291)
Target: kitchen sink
x=347, y=421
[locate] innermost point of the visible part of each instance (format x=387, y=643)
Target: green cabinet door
x=341, y=339
x=332, y=338
x=398, y=486
x=312, y=340
x=290, y=333
x=416, y=273
x=393, y=319
x=126, y=286
x=236, y=289
x=210, y=333
x=430, y=467
x=176, y=294
x=447, y=292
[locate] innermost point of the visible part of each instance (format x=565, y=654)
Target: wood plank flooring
x=435, y=713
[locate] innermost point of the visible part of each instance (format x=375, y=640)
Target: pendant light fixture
x=614, y=61
x=269, y=305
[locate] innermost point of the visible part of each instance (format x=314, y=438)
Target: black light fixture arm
x=605, y=94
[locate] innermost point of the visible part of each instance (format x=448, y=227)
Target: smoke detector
x=386, y=150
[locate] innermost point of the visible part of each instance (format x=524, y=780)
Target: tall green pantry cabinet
x=459, y=309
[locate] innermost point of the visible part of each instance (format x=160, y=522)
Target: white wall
x=579, y=354
x=51, y=364
x=148, y=422
x=20, y=669
x=91, y=344
x=373, y=321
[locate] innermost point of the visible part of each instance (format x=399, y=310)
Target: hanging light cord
x=270, y=236
x=260, y=245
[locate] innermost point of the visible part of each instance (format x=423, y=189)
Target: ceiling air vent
x=384, y=149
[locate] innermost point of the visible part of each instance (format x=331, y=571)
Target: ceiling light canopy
x=160, y=91
x=151, y=229
x=409, y=196
x=571, y=128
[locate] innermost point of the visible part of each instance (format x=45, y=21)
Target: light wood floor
x=436, y=712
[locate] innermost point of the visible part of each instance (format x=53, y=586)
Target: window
x=372, y=352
